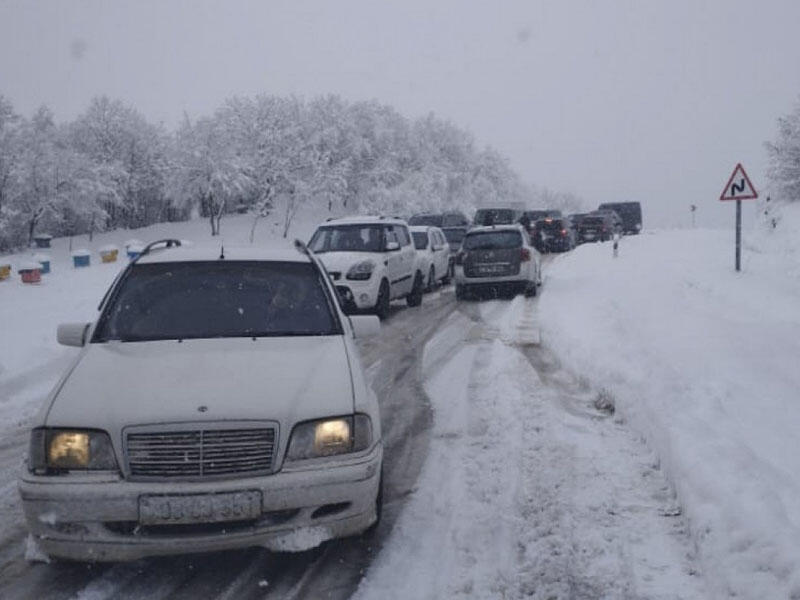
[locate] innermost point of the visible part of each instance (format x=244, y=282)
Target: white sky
x=630, y=100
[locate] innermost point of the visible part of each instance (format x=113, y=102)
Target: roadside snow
x=527, y=492
x=704, y=362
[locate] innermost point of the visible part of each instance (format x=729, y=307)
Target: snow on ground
x=527, y=491
x=705, y=362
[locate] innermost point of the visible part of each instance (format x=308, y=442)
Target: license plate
x=489, y=269
x=199, y=508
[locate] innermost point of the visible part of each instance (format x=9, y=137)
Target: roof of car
x=363, y=220
x=186, y=253
x=421, y=228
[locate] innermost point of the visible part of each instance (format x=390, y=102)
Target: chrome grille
x=200, y=453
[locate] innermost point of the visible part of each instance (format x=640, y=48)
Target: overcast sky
x=623, y=100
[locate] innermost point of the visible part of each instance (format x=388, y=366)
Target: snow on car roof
x=194, y=253
x=363, y=220
x=485, y=228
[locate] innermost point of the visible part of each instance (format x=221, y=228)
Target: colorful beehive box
x=44, y=261
x=5, y=271
x=30, y=272
x=133, y=248
x=108, y=254
x=81, y=258
x=42, y=240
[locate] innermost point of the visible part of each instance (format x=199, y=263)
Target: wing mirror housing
x=365, y=326
x=73, y=334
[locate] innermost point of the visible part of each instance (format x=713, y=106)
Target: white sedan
x=433, y=254
x=218, y=402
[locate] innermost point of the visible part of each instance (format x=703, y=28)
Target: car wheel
x=449, y=274
x=415, y=297
x=431, y=279
x=382, y=303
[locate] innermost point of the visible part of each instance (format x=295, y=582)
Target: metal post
x=738, y=235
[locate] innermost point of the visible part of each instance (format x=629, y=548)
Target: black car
x=597, y=226
x=629, y=212
x=485, y=217
x=553, y=235
x=442, y=220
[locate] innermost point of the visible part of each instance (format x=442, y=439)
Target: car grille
x=200, y=453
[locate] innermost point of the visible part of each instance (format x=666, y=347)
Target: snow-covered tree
x=784, y=156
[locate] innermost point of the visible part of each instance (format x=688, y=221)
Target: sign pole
x=738, y=188
x=738, y=235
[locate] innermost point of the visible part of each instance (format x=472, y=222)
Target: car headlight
x=361, y=271
x=58, y=450
x=329, y=437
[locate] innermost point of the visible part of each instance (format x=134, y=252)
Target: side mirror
x=365, y=326
x=72, y=334
x=392, y=246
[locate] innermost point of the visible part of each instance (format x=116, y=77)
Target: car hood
x=286, y=379
x=342, y=261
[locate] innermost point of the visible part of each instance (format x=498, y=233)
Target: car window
x=420, y=239
x=492, y=240
x=402, y=236
x=217, y=299
x=494, y=216
x=347, y=238
x=454, y=236
x=431, y=220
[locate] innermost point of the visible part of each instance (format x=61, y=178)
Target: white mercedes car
x=217, y=402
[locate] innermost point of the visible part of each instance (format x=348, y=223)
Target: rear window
x=218, y=299
x=420, y=240
x=553, y=225
x=429, y=220
x=492, y=240
x=592, y=221
x=494, y=216
x=454, y=236
x=453, y=220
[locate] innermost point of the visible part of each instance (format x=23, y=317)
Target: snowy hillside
x=704, y=361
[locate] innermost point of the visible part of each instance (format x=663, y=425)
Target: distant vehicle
x=575, y=219
x=616, y=220
x=629, y=212
x=218, y=402
x=597, y=227
x=485, y=217
x=371, y=261
x=433, y=255
x=454, y=236
x=444, y=219
x=498, y=259
x=554, y=235
x=535, y=215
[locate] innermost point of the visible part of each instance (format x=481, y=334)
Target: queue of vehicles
x=160, y=438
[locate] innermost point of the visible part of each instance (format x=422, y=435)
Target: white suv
x=218, y=402
x=371, y=261
x=433, y=254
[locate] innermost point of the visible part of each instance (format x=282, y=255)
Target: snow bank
x=704, y=361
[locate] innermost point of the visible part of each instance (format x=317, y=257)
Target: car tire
x=431, y=279
x=382, y=303
x=414, y=298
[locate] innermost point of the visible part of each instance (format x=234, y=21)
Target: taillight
x=563, y=232
x=525, y=255
x=460, y=258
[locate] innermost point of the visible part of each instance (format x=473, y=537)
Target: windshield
x=217, y=299
x=420, y=239
x=347, y=238
x=492, y=240
x=453, y=220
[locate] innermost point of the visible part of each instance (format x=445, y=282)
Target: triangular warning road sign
x=739, y=186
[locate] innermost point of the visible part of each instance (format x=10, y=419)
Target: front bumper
x=359, y=295
x=96, y=518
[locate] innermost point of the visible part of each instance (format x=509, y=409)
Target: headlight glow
x=55, y=451
x=330, y=437
x=68, y=450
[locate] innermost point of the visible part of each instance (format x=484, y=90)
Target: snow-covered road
x=528, y=489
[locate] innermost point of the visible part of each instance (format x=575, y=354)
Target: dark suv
x=553, y=235
x=629, y=212
x=597, y=226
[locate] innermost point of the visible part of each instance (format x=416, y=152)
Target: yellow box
x=5, y=272
x=109, y=256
